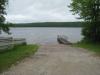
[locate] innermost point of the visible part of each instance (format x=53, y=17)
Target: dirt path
x=58, y=60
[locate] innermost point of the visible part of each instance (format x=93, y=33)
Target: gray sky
x=22, y=11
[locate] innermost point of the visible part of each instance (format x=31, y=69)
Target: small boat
x=62, y=39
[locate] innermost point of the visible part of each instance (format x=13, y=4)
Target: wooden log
x=6, y=43
x=19, y=41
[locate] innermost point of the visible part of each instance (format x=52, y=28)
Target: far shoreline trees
x=89, y=10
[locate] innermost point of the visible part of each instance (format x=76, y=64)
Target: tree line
x=48, y=24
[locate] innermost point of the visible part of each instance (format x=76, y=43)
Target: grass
x=16, y=54
x=89, y=46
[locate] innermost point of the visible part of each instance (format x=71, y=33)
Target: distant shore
x=49, y=24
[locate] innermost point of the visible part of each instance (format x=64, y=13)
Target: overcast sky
x=22, y=11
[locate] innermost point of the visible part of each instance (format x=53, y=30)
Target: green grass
x=16, y=54
x=89, y=46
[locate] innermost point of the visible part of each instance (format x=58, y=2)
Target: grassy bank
x=89, y=46
x=11, y=57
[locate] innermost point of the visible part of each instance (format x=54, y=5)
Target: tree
x=89, y=10
x=3, y=26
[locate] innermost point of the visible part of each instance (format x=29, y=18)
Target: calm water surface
x=46, y=35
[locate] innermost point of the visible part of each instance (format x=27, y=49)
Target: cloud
x=39, y=11
x=17, y=18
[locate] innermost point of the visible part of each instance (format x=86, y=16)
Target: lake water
x=45, y=35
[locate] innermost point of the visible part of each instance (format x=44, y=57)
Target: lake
x=45, y=35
